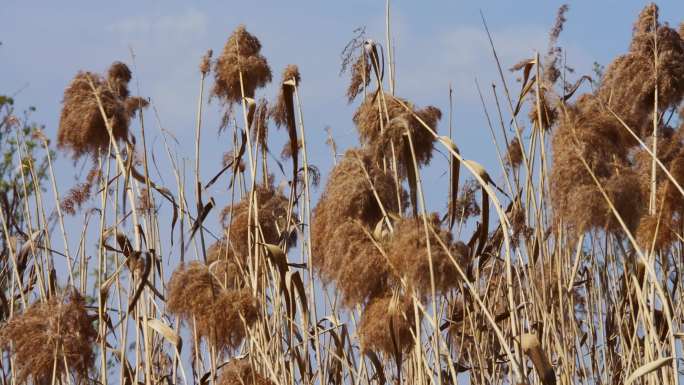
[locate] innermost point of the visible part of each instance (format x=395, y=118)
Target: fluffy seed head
x=81, y=127
x=386, y=325
x=346, y=256
x=279, y=111
x=378, y=132
x=360, y=76
x=241, y=372
x=272, y=214
x=205, y=64
x=407, y=251
x=242, y=53
x=514, y=152
x=59, y=328
x=196, y=295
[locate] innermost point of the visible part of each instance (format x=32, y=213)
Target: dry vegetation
x=565, y=269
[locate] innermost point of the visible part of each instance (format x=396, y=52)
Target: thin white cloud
x=184, y=26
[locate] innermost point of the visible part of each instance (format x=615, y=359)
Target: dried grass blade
x=648, y=368
x=165, y=331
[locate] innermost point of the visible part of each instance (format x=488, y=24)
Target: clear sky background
x=436, y=43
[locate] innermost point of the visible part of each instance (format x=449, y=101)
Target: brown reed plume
x=466, y=203
x=346, y=256
x=342, y=251
x=260, y=124
x=349, y=194
x=49, y=335
x=386, y=325
x=81, y=127
x=241, y=54
x=589, y=131
x=283, y=114
x=279, y=112
x=629, y=83
x=196, y=295
x=514, y=155
x=227, y=267
x=379, y=128
x=241, y=372
x=360, y=76
x=205, y=64
x=407, y=250
x=272, y=217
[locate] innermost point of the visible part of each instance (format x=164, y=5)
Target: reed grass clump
x=55, y=334
x=82, y=129
x=241, y=56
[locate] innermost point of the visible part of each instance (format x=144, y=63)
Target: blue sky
x=437, y=43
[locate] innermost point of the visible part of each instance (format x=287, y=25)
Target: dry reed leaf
x=165, y=331
x=532, y=347
x=648, y=368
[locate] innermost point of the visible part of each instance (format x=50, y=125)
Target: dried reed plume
x=48, y=335
x=349, y=194
x=360, y=76
x=466, y=204
x=219, y=315
x=629, y=83
x=241, y=54
x=659, y=233
x=514, y=155
x=271, y=217
x=342, y=251
x=379, y=127
x=260, y=124
x=346, y=255
x=387, y=325
x=241, y=372
x=226, y=266
x=588, y=130
x=205, y=64
x=407, y=250
x=279, y=112
x=81, y=127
